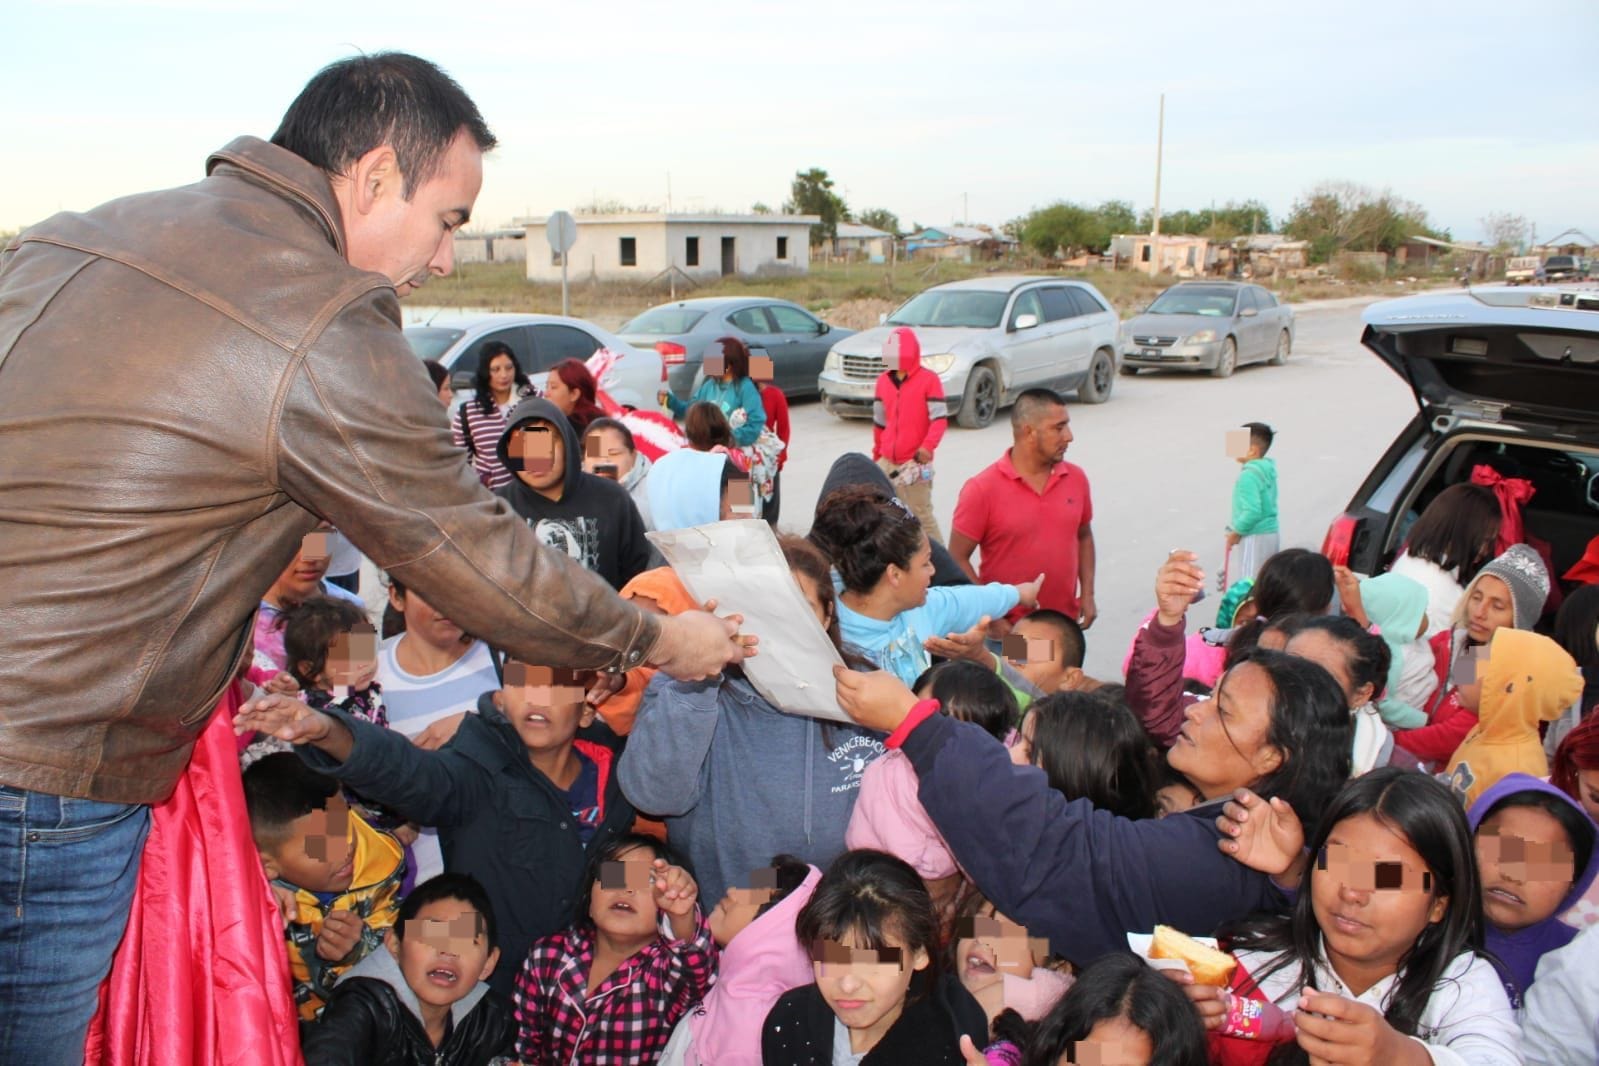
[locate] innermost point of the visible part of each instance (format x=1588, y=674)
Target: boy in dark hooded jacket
x=591, y=519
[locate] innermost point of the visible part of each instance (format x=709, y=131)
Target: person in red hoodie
x=908, y=421
x=776, y=405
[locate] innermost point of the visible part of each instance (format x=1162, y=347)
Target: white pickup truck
x=1520, y=268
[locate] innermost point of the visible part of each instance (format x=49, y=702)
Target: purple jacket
x=1520, y=951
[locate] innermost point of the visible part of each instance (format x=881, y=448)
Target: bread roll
x=1209, y=966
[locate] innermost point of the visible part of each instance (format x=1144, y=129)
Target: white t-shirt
x=1561, y=1017
x=414, y=703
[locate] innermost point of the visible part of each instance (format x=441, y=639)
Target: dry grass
x=848, y=294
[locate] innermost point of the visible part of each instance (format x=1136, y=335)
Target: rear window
x=664, y=321
x=431, y=342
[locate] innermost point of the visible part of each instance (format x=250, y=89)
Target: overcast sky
x=910, y=106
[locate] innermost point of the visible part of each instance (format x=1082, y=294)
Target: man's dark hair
x=1031, y=402
x=462, y=887
x=1073, y=644
x=1260, y=435
x=279, y=788
x=360, y=103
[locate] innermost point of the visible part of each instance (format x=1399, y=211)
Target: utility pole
x=1154, y=233
x=966, y=210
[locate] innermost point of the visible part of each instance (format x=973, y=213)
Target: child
x=878, y=996
x=519, y=793
x=1090, y=747
x=608, y=991
x=1252, y=531
x=345, y=876
x=1119, y=1011
x=330, y=649
x=1174, y=793
x=1397, y=607
x=1001, y=966
x=1527, y=679
x=1053, y=649
x=1383, y=944
x=761, y=959
x=590, y=519
x=424, y=999
x=884, y=561
x=909, y=417
x=888, y=816
x=1535, y=852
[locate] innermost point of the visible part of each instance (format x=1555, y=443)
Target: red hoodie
x=908, y=414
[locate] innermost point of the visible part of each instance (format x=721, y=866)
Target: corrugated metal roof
x=856, y=231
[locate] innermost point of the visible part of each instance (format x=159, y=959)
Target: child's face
x=737, y=909
x=1037, y=655
x=302, y=577
x=352, y=660
x=544, y=705
x=319, y=853
x=1372, y=896
x=865, y=987
x=1327, y=652
x=622, y=905
x=1021, y=750
x=424, y=622
x=445, y=951
x=1176, y=798
x=990, y=945
x=605, y=447
x=1111, y=1042
x=1527, y=866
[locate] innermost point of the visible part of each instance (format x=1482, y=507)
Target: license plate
x=1151, y=353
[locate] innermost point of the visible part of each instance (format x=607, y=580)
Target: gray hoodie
x=739, y=781
x=380, y=965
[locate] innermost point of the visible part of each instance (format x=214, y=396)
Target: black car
x=1565, y=268
x=1506, y=377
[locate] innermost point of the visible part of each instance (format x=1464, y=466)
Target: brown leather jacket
x=191, y=379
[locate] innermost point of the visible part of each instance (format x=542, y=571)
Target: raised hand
x=1177, y=582
x=1264, y=836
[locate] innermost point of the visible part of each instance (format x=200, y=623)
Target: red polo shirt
x=1022, y=533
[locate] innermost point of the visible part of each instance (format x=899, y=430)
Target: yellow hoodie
x=1529, y=679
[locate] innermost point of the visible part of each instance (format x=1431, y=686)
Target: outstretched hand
x=1263, y=835
x=283, y=717
x=1177, y=582
x=1027, y=591
x=695, y=645
x=968, y=645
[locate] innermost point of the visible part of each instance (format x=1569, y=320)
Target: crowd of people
x=539, y=811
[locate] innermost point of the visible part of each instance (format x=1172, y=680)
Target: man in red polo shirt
x=1029, y=512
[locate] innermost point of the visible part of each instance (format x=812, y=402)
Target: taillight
x=671, y=354
x=1340, y=538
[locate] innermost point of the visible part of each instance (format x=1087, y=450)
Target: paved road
x=1155, y=461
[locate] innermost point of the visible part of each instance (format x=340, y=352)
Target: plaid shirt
x=629, y=1018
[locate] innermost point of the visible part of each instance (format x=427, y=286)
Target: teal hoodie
x=1396, y=605
x=1255, y=499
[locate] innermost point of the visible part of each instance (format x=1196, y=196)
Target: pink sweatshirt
x=889, y=817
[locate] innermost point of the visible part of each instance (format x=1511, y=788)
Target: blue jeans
x=67, y=871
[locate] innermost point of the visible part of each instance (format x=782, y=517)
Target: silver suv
x=988, y=340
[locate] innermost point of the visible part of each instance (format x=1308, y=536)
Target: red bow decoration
x=1512, y=492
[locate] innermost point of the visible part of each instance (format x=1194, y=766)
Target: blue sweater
x=730, y=397
x=1079, y=876
x=896, y=645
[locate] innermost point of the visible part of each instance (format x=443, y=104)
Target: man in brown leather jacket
x=192, y=380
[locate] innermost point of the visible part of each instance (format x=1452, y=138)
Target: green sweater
x=1255, y=499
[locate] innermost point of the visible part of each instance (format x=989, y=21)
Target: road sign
x=562, y=231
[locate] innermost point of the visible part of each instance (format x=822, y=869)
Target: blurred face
x=319, y=852
x=1372, y=896
x=866, y=987
x=303, y=577
x=623, y=901
x=739, y=906
x=1223, y=745
x=1174, y=799
x=424, y=623
x=445, y=951
x=911, y=584
x=352, y=660
x=1050, y=433
x=990, y=946
x=813, y=597
x=446, y=392
x=408, y=240
x=541, y=453
x=1588, y=792
x=606, y=447
x=1111, y=1042
x=557, y=392
x=1488, y=607
x=1527, y=866
x=544, y=705
x=1039, y=647
x=1332, y=655
x=502, y=374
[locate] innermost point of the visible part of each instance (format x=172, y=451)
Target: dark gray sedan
x=796, y=340
x=1209, y=325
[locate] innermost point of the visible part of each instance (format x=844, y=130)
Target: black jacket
x=499, y=819
x=854, y=470
x=799, y=1028
x=371, y=1020
x=595, y=521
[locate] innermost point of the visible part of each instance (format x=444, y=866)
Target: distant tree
x=1062, y=228
x=1507, y=232
x=880, y=218
x=759, y=208
x=1116, y=216
x=812, y=194
x=1338, y=216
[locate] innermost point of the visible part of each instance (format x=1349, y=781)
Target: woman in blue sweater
x=729, y=386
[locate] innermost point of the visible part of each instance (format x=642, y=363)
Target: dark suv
x=1504, y=376
x=1565, y=268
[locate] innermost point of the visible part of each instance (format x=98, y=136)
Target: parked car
x=1565, y=268
x=539, y=341
x=1523, y=268
x=796, y=340
x=988, y=340
x=1507, y=377
x=1215, y=326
